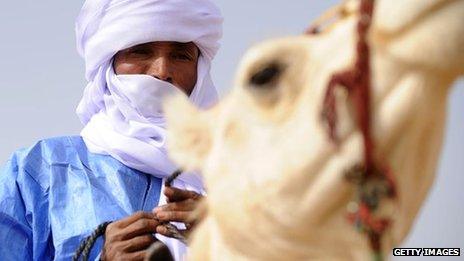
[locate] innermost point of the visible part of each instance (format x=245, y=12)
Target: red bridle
x=374, y=181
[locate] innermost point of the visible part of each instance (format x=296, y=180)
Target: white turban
x=114, y=127
x=105, y=27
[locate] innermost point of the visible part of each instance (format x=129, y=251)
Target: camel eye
x=266, y=75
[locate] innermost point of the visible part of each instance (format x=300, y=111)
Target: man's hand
x=180, y=206
x=129, y=238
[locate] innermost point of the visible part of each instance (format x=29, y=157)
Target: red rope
x=357, y=81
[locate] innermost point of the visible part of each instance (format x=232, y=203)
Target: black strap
x=86, y=245
x=172, y=177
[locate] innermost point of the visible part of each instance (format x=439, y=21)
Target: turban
x=112, y=125
x=105, y=27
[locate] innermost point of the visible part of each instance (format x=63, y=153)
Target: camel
x=276, y=178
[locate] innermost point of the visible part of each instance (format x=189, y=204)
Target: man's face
x=172, y=62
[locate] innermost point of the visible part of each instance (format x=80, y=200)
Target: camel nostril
x=266, y=75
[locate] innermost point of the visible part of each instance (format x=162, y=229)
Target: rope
x=86, y=246
x=172, y=177
x=175, y=233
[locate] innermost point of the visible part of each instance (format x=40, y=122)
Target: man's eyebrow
x=185, y=47
x=137, y=47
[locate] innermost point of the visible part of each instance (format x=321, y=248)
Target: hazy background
x=42, y=81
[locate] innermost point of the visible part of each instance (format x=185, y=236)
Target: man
x=55, y=193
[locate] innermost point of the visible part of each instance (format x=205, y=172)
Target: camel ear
x=188, y=136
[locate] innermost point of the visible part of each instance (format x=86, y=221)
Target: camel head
x=271, y=170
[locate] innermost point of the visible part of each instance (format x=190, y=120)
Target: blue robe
x=55, y=193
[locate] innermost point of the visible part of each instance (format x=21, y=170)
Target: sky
x=42, y=79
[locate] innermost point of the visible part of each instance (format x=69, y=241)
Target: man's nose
x=160, y=68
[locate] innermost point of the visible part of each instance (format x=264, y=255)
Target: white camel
x=276, y=181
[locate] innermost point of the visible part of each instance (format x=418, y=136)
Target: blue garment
x=55, y=193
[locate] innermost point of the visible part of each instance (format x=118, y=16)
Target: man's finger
x=140, y=227
x=176, y=216
x=163, y=230
x=175, y=194
x=185, y=205
x=137, y=256
x=138, y=243
x=132, y=218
